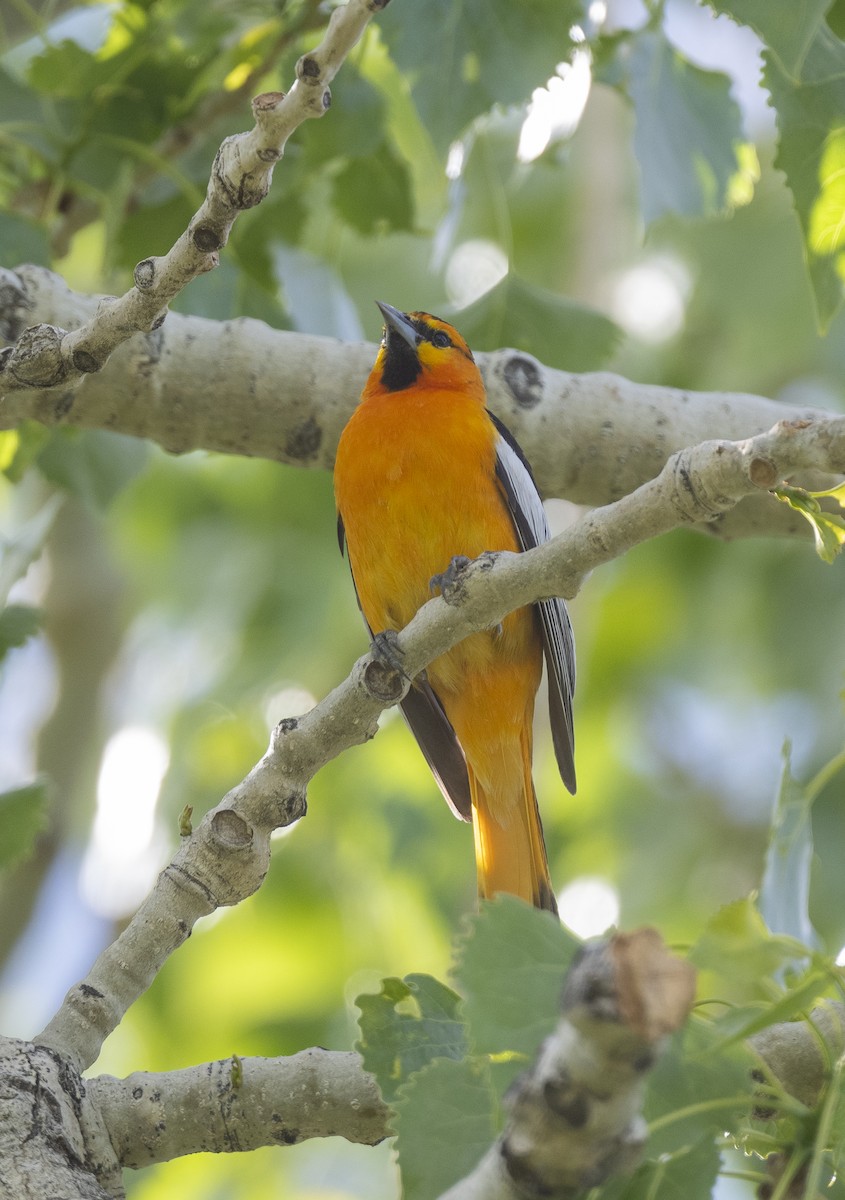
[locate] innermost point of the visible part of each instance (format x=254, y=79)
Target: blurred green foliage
x=655, y=234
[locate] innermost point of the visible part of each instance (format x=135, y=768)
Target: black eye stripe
x=441, y=339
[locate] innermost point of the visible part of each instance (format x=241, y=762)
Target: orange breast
x=415, y=485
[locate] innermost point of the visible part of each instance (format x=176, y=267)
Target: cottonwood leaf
x=786, y=26
x=559, y=332
x=407, y=1024
x=687, y=1172
x=810, y=114
x=828, y=528
x=510, y=966
x=94, y=464
x=688, y=131
x=444, y=1124
x=489, y=51
x=738, y=947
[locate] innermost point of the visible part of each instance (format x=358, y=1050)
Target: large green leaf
x=560, y=332
x=786, y=26
x=463, y=56
x=687, y=1172
x=738, y=947
x=94, y=465
x=688, y=131
x=407, y=1024
x=510, y=966
x=811, y=153
x=444, y=1121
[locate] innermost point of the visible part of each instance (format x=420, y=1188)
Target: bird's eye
x=441, y=339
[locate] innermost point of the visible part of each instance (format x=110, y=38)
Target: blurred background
x=190, y=603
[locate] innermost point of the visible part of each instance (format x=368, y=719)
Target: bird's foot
x=449, y=582
x=387, y=651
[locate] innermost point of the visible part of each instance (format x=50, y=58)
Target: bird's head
x=419, y=350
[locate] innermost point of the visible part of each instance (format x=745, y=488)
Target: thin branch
x=575, y=1117
x=227, y=857
x=49, y=356
x=240, y=1104
x=241, y=387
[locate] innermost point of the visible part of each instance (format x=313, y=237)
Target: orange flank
x=424, y=473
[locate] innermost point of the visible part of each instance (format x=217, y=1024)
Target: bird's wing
x=529, y=518
x=434, y=734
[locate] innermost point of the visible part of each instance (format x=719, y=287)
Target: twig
x=574, y=1119
x=227, y=857
x=48, y=356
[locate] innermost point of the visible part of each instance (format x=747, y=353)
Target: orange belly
x=411, y=501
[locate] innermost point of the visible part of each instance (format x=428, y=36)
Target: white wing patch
x=532, y=529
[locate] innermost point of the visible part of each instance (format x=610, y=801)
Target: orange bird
x=426, y=474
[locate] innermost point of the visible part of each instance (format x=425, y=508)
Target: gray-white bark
x=240, y=387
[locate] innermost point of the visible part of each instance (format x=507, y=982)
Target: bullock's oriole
x=425, y=473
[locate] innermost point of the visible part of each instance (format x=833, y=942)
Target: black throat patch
x=402, y=366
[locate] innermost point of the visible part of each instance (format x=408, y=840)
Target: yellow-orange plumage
x=416, y=484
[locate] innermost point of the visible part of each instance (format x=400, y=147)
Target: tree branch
x=574, y=1118
x=240, y=1104
x=242, y=388
x=226, y=858
x=48, y=356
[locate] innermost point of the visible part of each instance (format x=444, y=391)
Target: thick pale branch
x=240, y=1104
x=574, y=1119
x=226, y=858
x=47, y=355
x=240, y=387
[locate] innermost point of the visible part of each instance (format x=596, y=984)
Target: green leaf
x=811, y=153
x=687, y=1172
x=697, y=1087
x=23, y=814
x=445, y=1123
x=95, y=464
x=18, y=552
x=22, y=241
x=739, y=1023
x=688, y=131
x=828, y=528
x=19, y=447
x=373, y=193
x=786, y=26
x=18, y=623
x=407, y=1024
x=65, y=70
x=784, y=899
x=490, y=51
x=738, y=947
x=510, y=966
x=559, y=332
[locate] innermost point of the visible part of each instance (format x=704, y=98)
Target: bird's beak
x=394, y=319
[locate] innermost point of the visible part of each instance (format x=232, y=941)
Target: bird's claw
x=386, y=648
x=449, y=580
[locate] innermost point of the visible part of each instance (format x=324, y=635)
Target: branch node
x=145, y=274
x=37, y=357
x=763, y=473
x=384, y=681
x=207, y=238
x=308, y=69
x=85, y=362
x=231, y=830
x=266, y=102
